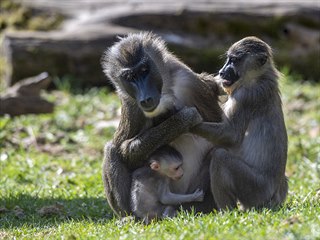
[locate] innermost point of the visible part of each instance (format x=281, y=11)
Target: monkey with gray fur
x=161, y=100
x=151, y=197
x=249, y=164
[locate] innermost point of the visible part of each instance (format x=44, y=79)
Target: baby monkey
x=151, y=197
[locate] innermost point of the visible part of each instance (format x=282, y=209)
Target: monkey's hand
x=131, y=146
x=198, y=195
x=191, y=115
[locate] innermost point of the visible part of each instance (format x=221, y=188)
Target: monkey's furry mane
x=251, y=45
x=129, y=50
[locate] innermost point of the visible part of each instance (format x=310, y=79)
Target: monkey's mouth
x=149, y=109
x=149, y=105
x=178, y=177
x=229, y=78
x=227, y=83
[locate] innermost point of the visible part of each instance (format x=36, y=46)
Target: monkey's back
x=145, y=193
x=265, y=138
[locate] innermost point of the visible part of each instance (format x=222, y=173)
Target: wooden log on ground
x=59, y=53
x=24, y=97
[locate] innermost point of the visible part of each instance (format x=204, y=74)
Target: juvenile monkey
x=151, y=196
x=249, y=163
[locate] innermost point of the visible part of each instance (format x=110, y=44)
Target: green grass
x=55, y=160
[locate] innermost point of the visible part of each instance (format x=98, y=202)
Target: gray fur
x=140, y=133
x=151, y=197
x=249, y=164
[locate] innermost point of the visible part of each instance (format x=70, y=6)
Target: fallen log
x=24, y=97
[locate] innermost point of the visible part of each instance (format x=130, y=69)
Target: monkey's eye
x=126, y=75
x=234, y=59
x=176, y=168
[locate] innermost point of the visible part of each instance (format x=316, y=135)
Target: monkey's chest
x=193, y=150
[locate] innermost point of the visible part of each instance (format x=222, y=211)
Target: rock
x=56, y=209
x=3, y=210
x=19, y=212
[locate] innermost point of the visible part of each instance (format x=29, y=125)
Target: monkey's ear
x=262, y=59
x=154, y=165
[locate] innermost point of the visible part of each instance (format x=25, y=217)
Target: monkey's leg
x=169, y=211
x=117, y=181
x=202, y=182
x=233, y=179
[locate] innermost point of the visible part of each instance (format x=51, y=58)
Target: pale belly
x=193, y=150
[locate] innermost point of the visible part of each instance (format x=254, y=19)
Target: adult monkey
x=161, y=99
x=250, y=164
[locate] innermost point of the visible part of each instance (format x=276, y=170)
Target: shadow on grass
x=32, y=211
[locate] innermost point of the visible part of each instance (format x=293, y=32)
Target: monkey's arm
x=136, y=150
x=169, y=198
x=218, y=133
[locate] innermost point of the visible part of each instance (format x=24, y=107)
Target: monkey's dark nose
x=222, y=73
x=148, y=104
x=230, y=75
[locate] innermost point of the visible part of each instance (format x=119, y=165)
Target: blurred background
x=68, y=37
x=56, y=45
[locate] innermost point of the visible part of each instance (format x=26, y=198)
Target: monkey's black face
x=143, y=83
x=246, y=60
x=229, y=72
